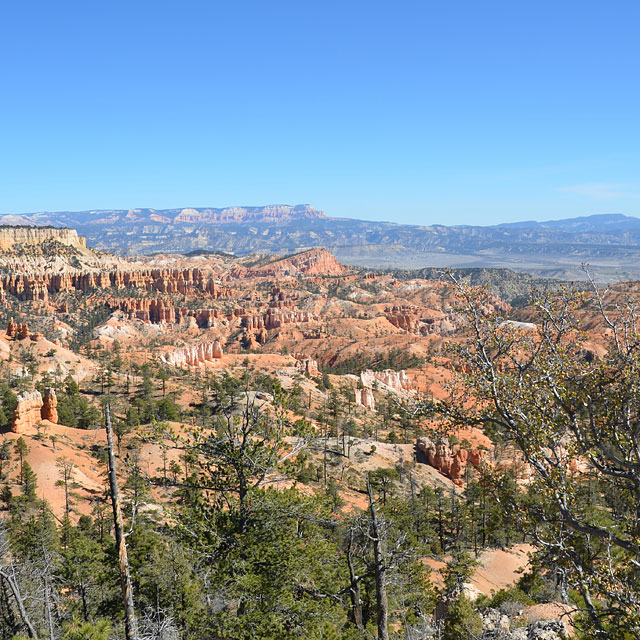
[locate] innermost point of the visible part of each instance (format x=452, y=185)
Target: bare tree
x=65, y=471
x=378, y=538
x=9, y=576
x=572, y=410
x=121, y=546
x=354, y=581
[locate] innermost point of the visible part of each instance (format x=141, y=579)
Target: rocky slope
x=313, y=262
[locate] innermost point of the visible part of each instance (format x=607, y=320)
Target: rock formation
x=249, y=341
x=158, y=311
x=194, y=355
x=451, y=462
x=22, y=331
x=275, y=318
x=396, y=380
x=281, y=300
x=11, y=328
x=38, y=286
x=419, y=321
x=10, y=236
x=49, y=409
x=365, y=398
x=314, y=262
x=31, y=408
x=307, y=367
x=27, y=412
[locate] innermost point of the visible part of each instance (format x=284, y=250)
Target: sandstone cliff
x=364, y=397
x=395, y=380
x=13, y=236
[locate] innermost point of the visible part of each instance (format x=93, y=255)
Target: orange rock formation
x=169, y=281
x=313, y=262
x=451, y=462
x=307, y=367
x=49, y=409
x=31, y=409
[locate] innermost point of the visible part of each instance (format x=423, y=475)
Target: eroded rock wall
x=23, y=235
x=38, y=286
x=396, y=380
x=449, y=461
x=195, y=355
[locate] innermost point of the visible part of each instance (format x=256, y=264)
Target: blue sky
x=416, y=112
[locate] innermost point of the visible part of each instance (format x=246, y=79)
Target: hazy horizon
x=327, y=214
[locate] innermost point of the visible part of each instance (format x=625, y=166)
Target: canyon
x=334, y=356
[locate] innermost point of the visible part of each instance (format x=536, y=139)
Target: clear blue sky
x=417, y=112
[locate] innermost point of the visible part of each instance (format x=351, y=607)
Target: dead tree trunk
x=47, y=600
x=379, y=554
x=15, y=590
x=354, y=587
x=121, y=546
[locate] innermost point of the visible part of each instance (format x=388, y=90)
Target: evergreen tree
x=29, y=482
x=462, y=621
x=22, y=450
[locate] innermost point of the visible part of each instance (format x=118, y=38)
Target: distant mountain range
x=610, y=243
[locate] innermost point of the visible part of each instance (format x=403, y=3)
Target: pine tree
x=29, y=482
x=462, y=621
x=22, y=450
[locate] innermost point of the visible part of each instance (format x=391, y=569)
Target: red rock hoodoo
x=451, y=462
x=32, y=408
x=27, y=413
x=49, y=409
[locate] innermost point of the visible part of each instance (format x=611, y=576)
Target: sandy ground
x=75, y=445
x=498, y=569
